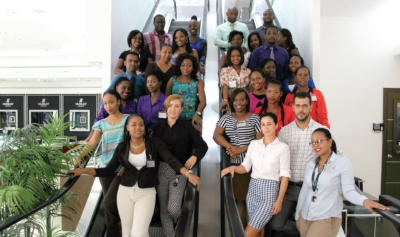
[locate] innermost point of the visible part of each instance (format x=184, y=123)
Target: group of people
x=150, y=124
x=287, y=170
x=274, y=128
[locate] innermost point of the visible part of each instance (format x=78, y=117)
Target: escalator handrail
x=235, y=224
x=389, y=216
x=4, y=224
x=182, y=228
x=150, y=19
x=203, y=31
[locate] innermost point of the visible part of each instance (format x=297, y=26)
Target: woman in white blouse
x=269, y=160
x=319, y=207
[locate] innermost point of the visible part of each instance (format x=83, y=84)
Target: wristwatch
x=198, y=112
x=202, y=63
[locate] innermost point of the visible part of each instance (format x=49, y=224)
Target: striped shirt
x=155, y=41
x=300, y=150
x=240, y=133
x=112, y=135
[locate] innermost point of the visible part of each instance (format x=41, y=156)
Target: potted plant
x=30, y=168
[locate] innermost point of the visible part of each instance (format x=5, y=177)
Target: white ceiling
x=42, y=39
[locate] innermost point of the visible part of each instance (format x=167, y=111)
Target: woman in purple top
x=151, y=107
x=128, y=105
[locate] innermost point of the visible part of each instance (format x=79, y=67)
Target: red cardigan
x=318, y=112
x=289, y=116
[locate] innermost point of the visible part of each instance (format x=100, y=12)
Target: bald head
x=268, y=17
x=232, y=14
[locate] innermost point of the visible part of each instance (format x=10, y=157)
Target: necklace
x=112, y=122
x=137, y=146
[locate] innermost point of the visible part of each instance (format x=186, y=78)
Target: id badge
x=241, y=124
x=150, y=163
x=313, y=98
x=162, y=115
x=232, y=84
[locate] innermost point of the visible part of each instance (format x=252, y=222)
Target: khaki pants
x=322, y=228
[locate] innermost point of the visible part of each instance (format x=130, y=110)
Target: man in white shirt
x=222, y=32
x=297, y=136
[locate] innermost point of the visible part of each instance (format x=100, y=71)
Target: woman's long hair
x=265, y=105
x=175, y=46
x=127, y=137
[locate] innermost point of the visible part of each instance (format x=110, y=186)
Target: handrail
x=391, y=217
x=235, y=224
x=4, y=224
x=150, y=19
x=182, y=228
x=203, y=31
x=175, y=10
x=276, y=18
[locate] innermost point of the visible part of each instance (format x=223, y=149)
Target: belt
x=296, y=184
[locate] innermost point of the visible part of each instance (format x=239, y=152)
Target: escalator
x=250, y=24
x=181, y=24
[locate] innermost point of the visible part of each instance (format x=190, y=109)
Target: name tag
x=150, y=163
x=313, y=98
x=241, y=124
x=232, y=84
x=162, y=115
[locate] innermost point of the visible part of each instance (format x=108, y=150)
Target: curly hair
x=233, y=34
x=228, y=61
x=179, y=62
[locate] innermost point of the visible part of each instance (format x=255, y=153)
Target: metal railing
x=150, y=19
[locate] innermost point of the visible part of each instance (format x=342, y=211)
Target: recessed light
x=79, y=79
x=38, y=79
x=19, y=79
x=38, y=11
x=55, y=79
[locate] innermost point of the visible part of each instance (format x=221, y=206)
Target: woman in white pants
x=140, y=156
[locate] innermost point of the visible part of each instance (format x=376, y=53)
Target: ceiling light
x=55, y=79
x=38, y=11
x=19, y=79
x=79, y=79
x=38, y=79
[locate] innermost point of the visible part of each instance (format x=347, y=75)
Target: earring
x=128, y=134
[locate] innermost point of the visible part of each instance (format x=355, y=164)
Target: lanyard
x=314, y=181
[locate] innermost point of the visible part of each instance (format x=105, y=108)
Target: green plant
x=30, y=167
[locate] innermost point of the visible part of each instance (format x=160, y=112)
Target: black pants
x=110, y=189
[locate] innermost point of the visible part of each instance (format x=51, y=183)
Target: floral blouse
x=229, y=77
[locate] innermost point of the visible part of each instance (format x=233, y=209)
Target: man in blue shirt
x=268, y=18
x=271, y=50
x=138, y=82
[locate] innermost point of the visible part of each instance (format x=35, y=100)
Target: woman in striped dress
x=241, y=127
x=269, y=160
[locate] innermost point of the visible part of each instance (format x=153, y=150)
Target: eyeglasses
x=318, y=141
x=299, y=106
